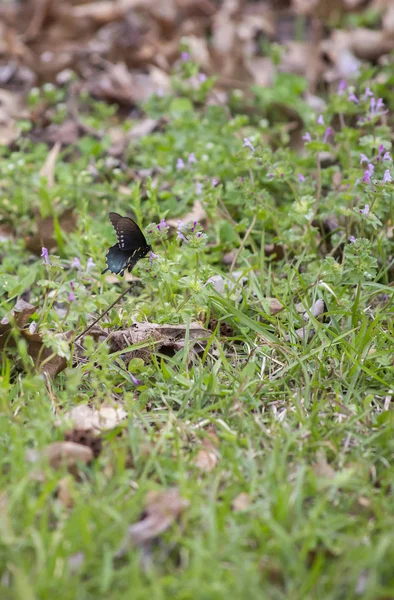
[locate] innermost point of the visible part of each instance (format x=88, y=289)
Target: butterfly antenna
x=105, y=312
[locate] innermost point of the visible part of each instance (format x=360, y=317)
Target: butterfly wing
x=130, y=236
x=117, y=260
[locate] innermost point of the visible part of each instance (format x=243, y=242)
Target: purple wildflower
x=367, y=177
x=214, y=182
x=45, y=255
x=185, y=56
x=270, y=176
x=307, y=137
x=320, y=120
x=135, y=380
x=192, y=160
x=371, y=168
x=76, y=263
x=198, y=188
x=376, y=107
x=90, y=265
x=353, y=98
x=71, y=297
x=301, y=178
x=387, y=177
x=387, y=157
x=248, y=144
x=202, y=77
x=329, y=131
x=152, y=257
x=180, y=228
x=368, y=93
x=342, y=87
x=365, y=211
x=180, y=164
x=352, y=239
x=363, y=158
x=162, y=225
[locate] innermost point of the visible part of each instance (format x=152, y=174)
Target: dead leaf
x=208, y=456
x=44, y=238
x=87, y=419
x=164, y=339
x=85, y=438
x=11, y=109
x=6, y=233
x=66, y=454
x=241, y=502
x=274, y=306
x=197, y=213
x=48, y=168
x=161, y=510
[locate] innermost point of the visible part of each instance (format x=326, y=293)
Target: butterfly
x=130, y=248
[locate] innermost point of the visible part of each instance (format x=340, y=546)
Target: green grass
x=304, y=427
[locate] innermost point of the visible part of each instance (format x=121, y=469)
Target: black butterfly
x=130, y=248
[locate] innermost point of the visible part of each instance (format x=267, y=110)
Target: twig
x=105, y=312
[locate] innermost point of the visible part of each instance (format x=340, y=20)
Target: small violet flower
x=214, y=182
x=353, y=98
x=180, y=236
x=368, y=93
x=76, y=263
x=192, y=160
x=180, y=164
x=71, y=297
x=198, y=188
x=162, y=225
x=152, y=257
x=365, y=211
x=320, y=120
x=367, y=177
x=307, y=137
x=45, y=255
x=90, y=264
x=185, y=56
x=387, y=177
x=202, y=77
x=248, y=144
x=363, y=159
x=371, y=168
x=387, y=157
x=352, y=239
x=301, y=178
x=135, y=380
x=329, y=131
x=342, y=87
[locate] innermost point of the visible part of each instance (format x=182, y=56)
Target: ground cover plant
x=226, y=429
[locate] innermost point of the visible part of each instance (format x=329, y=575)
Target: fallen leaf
x=64, y=454
x=206, y=460
x=241, y=502
x=11, y=109
x=208, y=456
x=163, y=339
x=196, y=214
x=85, y=438
x=48, y=168
x=87, y=419
x=161, y=510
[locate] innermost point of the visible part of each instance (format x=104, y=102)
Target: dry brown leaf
x=44, y=238
x=11, y=109
x=241, y=502
x=274, y=306
x=206, y=460
x=161, y=510
x=197, y=213
x=48, y=168
x=44, y=358
x=67, y=454
x=6, y=233
x=85, y=418
x=164, y=339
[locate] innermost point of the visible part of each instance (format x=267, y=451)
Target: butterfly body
x=131, y=246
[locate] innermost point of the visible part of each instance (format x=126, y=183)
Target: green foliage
x=298, y=400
